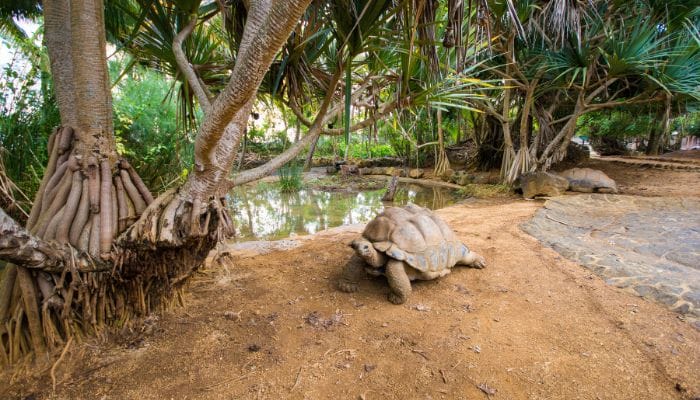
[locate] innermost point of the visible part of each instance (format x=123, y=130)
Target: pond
x=263, y=212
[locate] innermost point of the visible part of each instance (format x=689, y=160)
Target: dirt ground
x=531, y=325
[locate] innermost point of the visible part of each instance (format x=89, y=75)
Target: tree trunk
x=658, y=133
x=508, y=150
x=348, y=98
x=522, y=162
x=391, y=189
x=98, y=250
x=310, y=156
x=241, y=157
x=442, y=163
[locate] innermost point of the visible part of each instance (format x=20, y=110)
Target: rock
x=421, y=307
x=487, y=389
x=366, y=171
x=380, y=162
x=589, y=180
x=253, y=348
x=461, y=178
x=542, y=184
x=232, y=316
x=349, y=169
x=447, y=175
x=391, y=171
x=416, y=173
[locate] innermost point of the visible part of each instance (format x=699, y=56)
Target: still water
x=262, y=212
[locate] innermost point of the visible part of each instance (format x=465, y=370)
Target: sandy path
x=532, y=325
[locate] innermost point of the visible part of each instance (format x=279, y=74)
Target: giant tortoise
x=406, y=244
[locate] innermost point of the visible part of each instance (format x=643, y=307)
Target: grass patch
x=291, y=177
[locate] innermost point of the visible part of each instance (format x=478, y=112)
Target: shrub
x=291, y=177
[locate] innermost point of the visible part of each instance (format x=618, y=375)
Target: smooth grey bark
x=186, y=69
x=57, y=28
x=268, y=26
x=289, y=154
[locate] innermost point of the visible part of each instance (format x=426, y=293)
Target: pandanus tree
x=562, y=59
x=98, y=248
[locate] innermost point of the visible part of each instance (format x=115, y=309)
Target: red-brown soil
x=532, y=325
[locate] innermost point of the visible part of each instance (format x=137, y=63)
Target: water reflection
x=262, y=212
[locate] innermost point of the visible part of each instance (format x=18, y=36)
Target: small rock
x=486, y=389
x=253, y=348
x=369, y=367
x=468, y=307
x=232, y=315
x=416, y=173
x=447, y=175
x=317, y=321
x=421, y=307
x=461, y=289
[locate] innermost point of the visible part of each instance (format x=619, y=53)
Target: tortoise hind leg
x=399, y=283
x=471, y=259
x=353, y=272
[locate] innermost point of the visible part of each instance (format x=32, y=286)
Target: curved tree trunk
x=98, y=249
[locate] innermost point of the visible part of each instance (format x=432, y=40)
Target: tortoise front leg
x=399, y=283
x=352, y=273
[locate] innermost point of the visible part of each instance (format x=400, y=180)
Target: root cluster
x=127, y=254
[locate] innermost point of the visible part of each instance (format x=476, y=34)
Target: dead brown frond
x=12, y=198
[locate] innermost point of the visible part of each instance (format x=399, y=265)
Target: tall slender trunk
x=657, y=134
x=310, y=155
x=442, y=163
x=508, y=150
x=57, y=29
x=522, y=162
x=348, y=98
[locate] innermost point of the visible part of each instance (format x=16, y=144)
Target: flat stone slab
x=648, y=245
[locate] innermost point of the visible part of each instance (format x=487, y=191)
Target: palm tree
x=562, y=59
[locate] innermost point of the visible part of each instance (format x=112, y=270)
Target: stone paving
x=648, y=245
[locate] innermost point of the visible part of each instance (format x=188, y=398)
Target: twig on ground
x=55, y=365
x=296, y=382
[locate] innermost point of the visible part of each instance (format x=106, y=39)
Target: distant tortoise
x=405, y=244
x=589, y=180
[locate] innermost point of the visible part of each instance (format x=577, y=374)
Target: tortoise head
x=363, y=247
x=366, y=250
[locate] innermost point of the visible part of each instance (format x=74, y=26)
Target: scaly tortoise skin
x=406, y=244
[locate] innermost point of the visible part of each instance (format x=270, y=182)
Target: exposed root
x=82, y=215
x=102, y=252
x=85, y=205
x=106, y=227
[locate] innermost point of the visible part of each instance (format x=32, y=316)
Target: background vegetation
x=500, y=76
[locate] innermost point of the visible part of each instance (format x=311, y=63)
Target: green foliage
x=688, y=124
x=146, y=129
x=619, y=124
x=291, y=179
x=28, y=113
